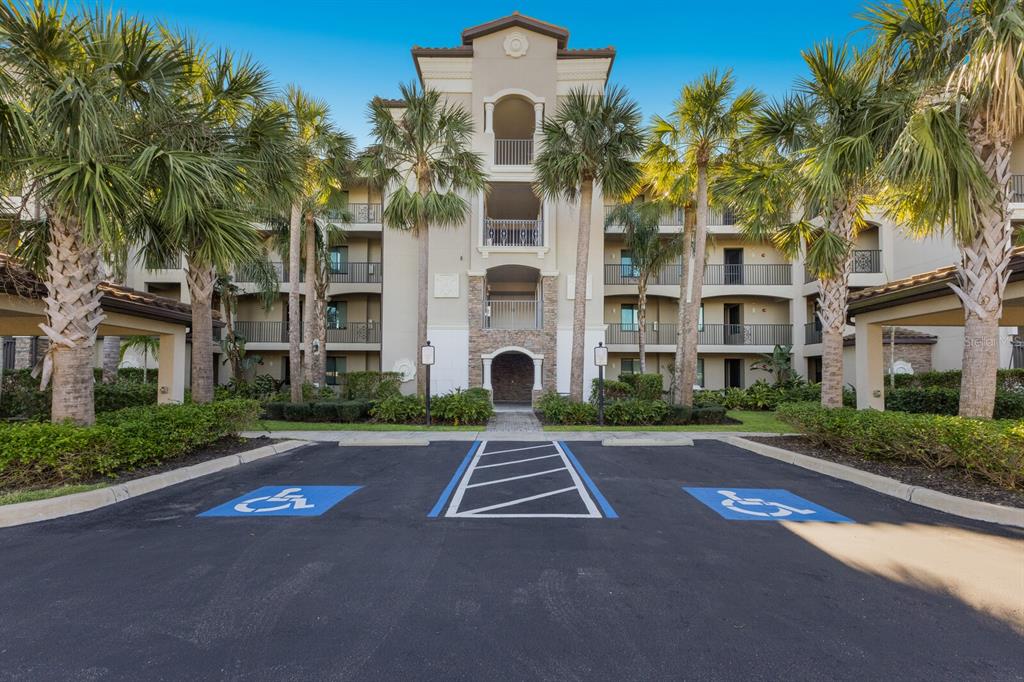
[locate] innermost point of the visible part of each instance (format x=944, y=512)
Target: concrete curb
x=66, y=505
x=647, y=442
x=383, y=442
x=926, y=497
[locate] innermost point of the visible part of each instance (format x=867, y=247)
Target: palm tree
x=950, y=167
x=323, y=158
x=593, y=138
x=649, y=253
x=806, y=176
x=75, y=88
x=147, y=345
x=422, y=157
x=684, y=154
x=211, y=151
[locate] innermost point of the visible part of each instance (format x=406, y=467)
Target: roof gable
x=517, y=20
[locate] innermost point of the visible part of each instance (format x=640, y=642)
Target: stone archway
x=512, y=378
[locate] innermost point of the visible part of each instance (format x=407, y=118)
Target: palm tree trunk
x=579, y=303
x=694, y=289
x=320, y=327
x=111, y=356
x=641, y=305
x=423, y=279
x=982, y=275
x=200, y=287
x=681, y=311
x=73, y=313
x=312, y=304
x=832, y=310
x=294, y=312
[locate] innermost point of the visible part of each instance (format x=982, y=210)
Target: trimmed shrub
x=297, y=412
x=45, y=454
x=559, y=409
x=939, y=400
x=613, y=390
x=399, y=409
x=122, y=394
x=712, y=414
x=678, y=415
x=371, y=385
x=462, y=407
x=635, y=412
x=1006, y=380
x=274, y=410
x=764, y=396
x=989, y=450
x=643, y=386
x=20, y=397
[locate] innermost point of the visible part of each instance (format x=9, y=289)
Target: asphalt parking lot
x=542, y=560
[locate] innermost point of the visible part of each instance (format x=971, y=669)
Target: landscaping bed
x=951, y=481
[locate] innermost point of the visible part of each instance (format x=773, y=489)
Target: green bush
x=678, y=415
x=297, y=412
x=399, y=409
x=371, y=385
x=989, y=450
x=635, y=412
x=274, y=410
x=940, y=400
x=613, y=390
x=45, y=454
x=711, y=414
x=20, y=397
x=764, y=396
x=262, y=387
x=122, y=394
x=643, y=386
x=1006, y=380
x=559, y=409
x=462, y=407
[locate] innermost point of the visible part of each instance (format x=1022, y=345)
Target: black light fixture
x=427, y=359
x=601, y=360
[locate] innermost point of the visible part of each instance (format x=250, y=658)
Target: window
x=700, y=318
x=336, y=366
x=629, y=317
x=700, y=372
x=337, y=315
x=630, y=366
x=339, y=260
x=627, y=269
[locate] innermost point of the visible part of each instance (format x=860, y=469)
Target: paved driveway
x=557, y=562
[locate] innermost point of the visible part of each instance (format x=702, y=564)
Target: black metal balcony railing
x=1017, y=189
x=754, y=274
x=721, y=216
x=359, y=213
x=513, y=152
x=864, y=261
x=277, y=332
x=624, y=273
x=513, y=232
x=672, y=218
x=249, y=273
x=657, y=333
x=354, y=272
x=812, y=333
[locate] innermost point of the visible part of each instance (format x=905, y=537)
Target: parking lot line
x=531, y=447
x=563, y=447
x=517, y=461
x=455, y=479
x=515, y=478
x=501, y=505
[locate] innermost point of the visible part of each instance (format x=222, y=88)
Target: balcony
x=1017, y=189
x=672, y=218
x=865, y=261
x=352, y=272
x=360, y=213
x=752, y=275
x=624, y=273
x=513, y=232
x=721, y=216
x=277, y=332
x=512, y=314
x=513, y=152
x=657, y=333
x=812, y=333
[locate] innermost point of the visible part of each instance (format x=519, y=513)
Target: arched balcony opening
x=513, y=216
x=514, y=123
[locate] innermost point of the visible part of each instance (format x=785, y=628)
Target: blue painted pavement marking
x=763, y=504
x=278, y=500
x=447, y=492
x=606, y=508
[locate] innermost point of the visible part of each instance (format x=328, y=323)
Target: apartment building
x=501, y=284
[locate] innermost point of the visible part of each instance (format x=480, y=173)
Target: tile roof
x=516, y=19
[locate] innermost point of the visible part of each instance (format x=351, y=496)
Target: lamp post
x=427, y=358
x=601, y=360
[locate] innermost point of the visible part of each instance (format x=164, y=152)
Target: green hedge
x=764, y=396
x=635, y=412
x=941, y=400
x=341, y=411
x=989, y=450
x=20, y=397
x=1006, y=380
x=370, y=385
x=641, y=386
x=558, y=409
x=45, y=454
x=472, y=406
x=399, y=409
x=710, y=414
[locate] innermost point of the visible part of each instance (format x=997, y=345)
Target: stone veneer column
x=476, y=305
x=22, y=352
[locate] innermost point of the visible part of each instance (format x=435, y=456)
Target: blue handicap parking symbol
x=276, y=500
x=763, y=504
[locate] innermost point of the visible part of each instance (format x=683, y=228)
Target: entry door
x=627, y=271
x=733, y=266
x=733, y=373
x=733, y=329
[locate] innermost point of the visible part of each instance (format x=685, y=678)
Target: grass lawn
x=278, y=425
x=751, y=421
x=16, y=496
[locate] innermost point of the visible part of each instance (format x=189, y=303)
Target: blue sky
x=347, y=52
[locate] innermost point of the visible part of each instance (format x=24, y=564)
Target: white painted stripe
x=453, y=506
x=515, y=478
x=532, y=447
x=526, y=516
x=517, y=461
x=584, y=493
x=502, y=505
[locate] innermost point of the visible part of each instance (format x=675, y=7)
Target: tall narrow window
x=337, y=315
x=629, y=317
x=339, y=260
x=700, y=372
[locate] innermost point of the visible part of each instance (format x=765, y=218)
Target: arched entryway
x=512, y=378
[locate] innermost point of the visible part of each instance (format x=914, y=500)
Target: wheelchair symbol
x=289, y=498
x=770, y=509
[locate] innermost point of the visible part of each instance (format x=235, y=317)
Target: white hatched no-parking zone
x=528, y=461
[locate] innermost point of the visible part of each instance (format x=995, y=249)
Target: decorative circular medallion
x=406, y=368
x=516, y=44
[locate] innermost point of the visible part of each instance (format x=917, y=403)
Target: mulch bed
x=951, y=481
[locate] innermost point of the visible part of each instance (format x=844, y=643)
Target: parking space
x=543, y=560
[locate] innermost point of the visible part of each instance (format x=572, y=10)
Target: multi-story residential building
x=501, y=284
